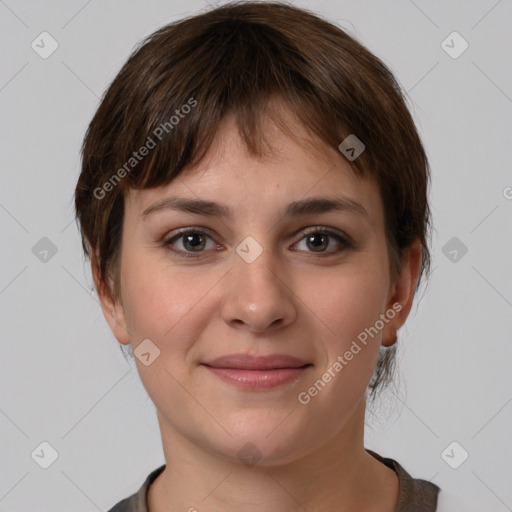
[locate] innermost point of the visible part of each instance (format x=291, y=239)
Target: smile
x=257, y=373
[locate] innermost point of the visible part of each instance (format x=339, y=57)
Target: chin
x=263, y=439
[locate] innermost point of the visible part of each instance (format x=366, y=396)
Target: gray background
x=64, y=380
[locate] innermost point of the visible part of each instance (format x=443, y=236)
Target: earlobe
x=403, y=292
x=112, y=309
x=389, y=341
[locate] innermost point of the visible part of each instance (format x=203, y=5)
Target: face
x=268, y=308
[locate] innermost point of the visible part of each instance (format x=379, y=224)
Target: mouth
x=257, y=373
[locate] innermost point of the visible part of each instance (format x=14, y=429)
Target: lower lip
x=258, y=379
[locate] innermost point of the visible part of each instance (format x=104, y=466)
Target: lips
x=246, y=362
x=257, y=373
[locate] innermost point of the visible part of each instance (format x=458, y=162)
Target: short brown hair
x=236, y=59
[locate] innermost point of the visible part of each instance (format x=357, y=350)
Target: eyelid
x=188, y=229
x=347, y=239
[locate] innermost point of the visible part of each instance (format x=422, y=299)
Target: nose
x=259, y=297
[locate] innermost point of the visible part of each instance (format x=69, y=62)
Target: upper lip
x=247, y=362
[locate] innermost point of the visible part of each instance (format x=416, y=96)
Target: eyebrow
x=311, y=205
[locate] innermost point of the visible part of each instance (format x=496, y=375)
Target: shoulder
x=414, y=493
x=126, y=505
x=137, y=502
x=422, y=495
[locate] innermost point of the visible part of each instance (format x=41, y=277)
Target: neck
x=339, y=476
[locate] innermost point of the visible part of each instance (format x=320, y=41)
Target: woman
x=253, y=198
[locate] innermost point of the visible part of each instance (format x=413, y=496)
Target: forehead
x=295, y=165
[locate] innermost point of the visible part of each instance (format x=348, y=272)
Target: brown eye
x=190, y=241
x=194, y=241
x=319, y=240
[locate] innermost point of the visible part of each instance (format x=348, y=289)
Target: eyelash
x=344, y=240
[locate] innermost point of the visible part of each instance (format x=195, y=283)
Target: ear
x=402, y=292
x=112, y=308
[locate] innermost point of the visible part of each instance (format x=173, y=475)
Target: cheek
x=169, y=307
x=163, y=304
x=347, y=301
x=349, y=310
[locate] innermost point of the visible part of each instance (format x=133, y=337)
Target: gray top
x=415, y=495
